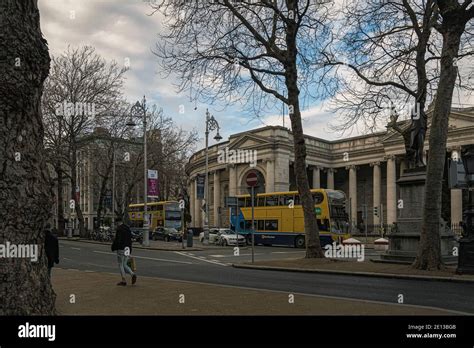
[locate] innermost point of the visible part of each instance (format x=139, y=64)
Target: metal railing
x=383, y=229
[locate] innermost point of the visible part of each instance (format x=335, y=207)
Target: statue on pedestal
x=417, y=137
x=413, y=136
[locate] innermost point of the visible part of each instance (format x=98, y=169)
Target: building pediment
x=247, y=141
x=461, y=119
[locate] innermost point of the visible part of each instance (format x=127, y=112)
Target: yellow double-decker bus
x=163, y=214
x=278, y=217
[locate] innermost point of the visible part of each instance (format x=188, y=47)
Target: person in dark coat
x=122, y=244
x=51, y=247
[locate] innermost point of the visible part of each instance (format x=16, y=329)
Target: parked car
x=167, y=234
x=137, y=235
x=214, y=234
x=229, y=237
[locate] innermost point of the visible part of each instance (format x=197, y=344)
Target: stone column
x=377, y=178
x=270, y=179
x=282, y=172
x=316, y=177
x=391, y=190
x=217, y=197
x=456, y=206
x=353, y=192
x=330, y=181
x=232, y=180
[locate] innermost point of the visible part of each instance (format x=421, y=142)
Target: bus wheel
x=299, y=242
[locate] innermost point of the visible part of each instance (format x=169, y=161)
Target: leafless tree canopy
x=237, y=51
x=388, y=54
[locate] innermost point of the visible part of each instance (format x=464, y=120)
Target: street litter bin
x=190, y=239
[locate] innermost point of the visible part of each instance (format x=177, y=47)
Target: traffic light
x=376, y=211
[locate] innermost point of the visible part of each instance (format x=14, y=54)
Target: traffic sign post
x=252, y=182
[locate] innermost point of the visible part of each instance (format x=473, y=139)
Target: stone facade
x=365, y=167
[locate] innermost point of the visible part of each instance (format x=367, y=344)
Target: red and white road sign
x=251, y=179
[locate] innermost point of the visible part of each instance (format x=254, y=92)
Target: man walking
x=51, y=247
x=123, y=245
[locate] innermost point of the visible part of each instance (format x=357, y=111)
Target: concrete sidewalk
x=97, y=294
x=365, y=268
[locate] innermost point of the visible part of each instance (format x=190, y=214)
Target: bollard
x=190, y=239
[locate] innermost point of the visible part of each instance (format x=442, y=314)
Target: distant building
x=365, y=167
x=92, y=153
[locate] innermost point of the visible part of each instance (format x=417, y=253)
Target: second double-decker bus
x=163, y=214
x=278, y=217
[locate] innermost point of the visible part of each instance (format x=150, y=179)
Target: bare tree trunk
x=103, y=191
x=60, y=198
x=25, y=188
x=429, y=252
x=77, y=206
x=313, y=243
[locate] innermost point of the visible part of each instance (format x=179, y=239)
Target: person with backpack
x=122, y=244
x=51, y=247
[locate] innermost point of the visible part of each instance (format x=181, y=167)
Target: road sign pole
x=252, y=181
x=382, y=220
x=366, y=218
x=182, y=228
x=253, y=227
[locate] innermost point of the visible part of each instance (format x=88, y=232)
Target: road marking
x=146, y=258
x=287, y=252
x=76, y=248
x=200, y=258
x=232, y=255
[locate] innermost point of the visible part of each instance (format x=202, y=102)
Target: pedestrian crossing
x=203, y=258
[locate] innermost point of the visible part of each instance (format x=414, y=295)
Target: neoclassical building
x=365, y=167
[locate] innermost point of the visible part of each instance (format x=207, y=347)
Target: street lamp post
x=211, y=124
x=139, y=110
x=466, y=243
x=113, y=191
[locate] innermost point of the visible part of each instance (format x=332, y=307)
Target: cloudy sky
x=123, y=30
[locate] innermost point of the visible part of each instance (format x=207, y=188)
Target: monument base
x=405, y=236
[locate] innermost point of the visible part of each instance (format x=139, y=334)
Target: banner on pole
x=200, y=181
x=153, y=183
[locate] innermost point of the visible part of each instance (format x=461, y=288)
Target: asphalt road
x=214, y=267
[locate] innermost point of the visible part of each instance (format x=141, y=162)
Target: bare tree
x=394, y=53
x=25, y=192
x=452, y=24
x=258, y=53
x=170, y=148
x=391, y=59
x=81, y=87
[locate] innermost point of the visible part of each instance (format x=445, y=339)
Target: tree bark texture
x=429, y=252
x=25, y=189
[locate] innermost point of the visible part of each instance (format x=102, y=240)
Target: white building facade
x=366, y=168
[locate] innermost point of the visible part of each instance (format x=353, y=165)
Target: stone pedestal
x=405, y=236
